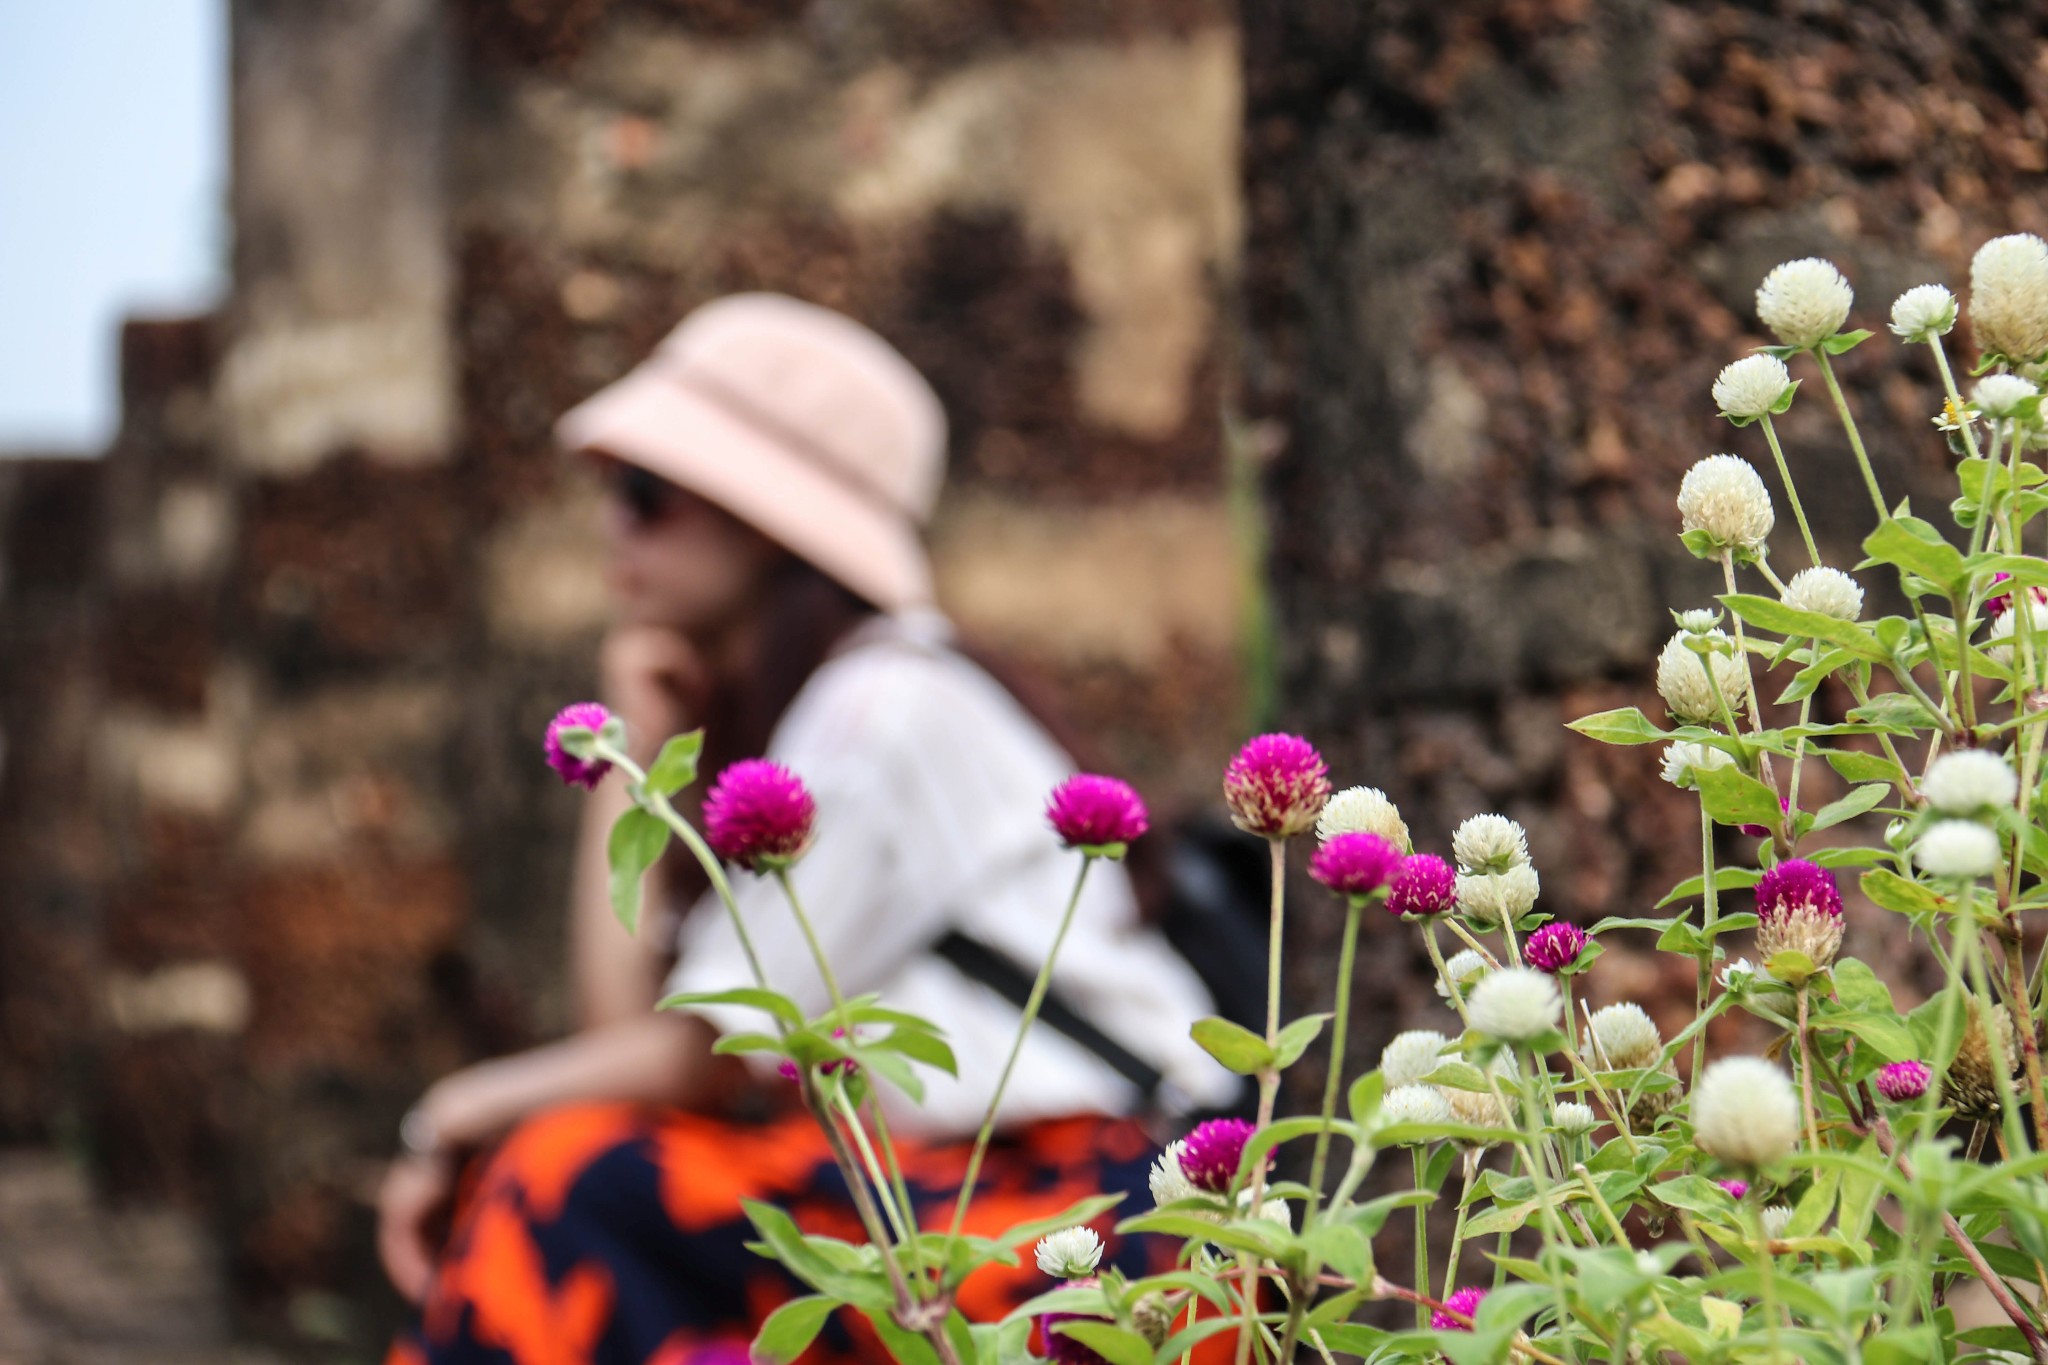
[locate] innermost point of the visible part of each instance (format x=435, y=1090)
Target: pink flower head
x=1998, y=606
x=1356, y=864
x=1212, y=1152
x=577, y=772
x=1060, y=1347
x=1555, y=946
x=1425, y=885
x=1797, y=885
x=1094, y=812
x=1734, y=1189
x=1902, y=1081
x=1764, y=831
x=1276, y=786
x=787, y=1069
x=759, y=814
x=1464, y=1302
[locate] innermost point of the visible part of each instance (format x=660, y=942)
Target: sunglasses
x=647, y=497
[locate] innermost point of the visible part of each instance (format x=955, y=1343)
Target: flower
x=1060, y=1347
x=1479, y=1108
x=1825, y=591
x=1957, y=848
x=1764, y=831
x=1088, y=811
x=1209, y=1156
x=2005, y=625
x=1414, y=1104
x=1804, y=302
x=1463, y=969
x=1799, y=909
x=1276, y=786
x=1574, y=1119
x=1555, y=946
x=1682, y=678
x=1514, y=1003
x=1776, y=1219
x=1411, y=1056
x=1425, y=885
x=1070, y=1253
x=1902, y=1081
x=1723, y=496
x=1972, y=1081
x=1924, y=312
x=1685, y=760
x=1999, y=395
x=1745, y=1112
x=583, y=715
x=1355, y=864
x=759, y=814
x=1734, y=1189
x=1362, y=810
x=1752, y=387
x=1169, y=1182
x=1497, y=897
x=2009, y=296
x=1995, y=607
x=1623, y=1037
x=1456, y=1314
x=1968, y=781
x=1737, y=975
x=1697, y=620
x=1489, y=843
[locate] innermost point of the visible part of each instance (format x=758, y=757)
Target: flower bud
x=1682, y=679
x=1924, y=312
x=1971, y=1085
x=1751, y=387
x=1685, y=760
x=1456, y=1314
x=1745, y=1112
x=1425, y=885
x=1828, y=592
x=1489, y=843
x=1900, y=1082
x=1724, y=497
x=1069, y=1253
x=1555, y=946
x=1804, y=302
x=582, y=715
x=1515, y=1004
x=1574, y=1119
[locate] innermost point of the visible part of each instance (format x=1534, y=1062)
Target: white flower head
x=1737, y=976
x=1070, y=1253
x=1830, y=592
x=1515, y=1004
x=1414, y=1104
x=1684, y=760
x=1464, y=968
x=1957, y=848
x=1271, y=1209
x=1968, y=780
x=1362, y=810
x=1924, y=312
x=1699, y=620
x=1682, y=678
x=1169, y=1183
x=1499, y=897
x=1489, y=843
x=2009, y=296
x=1752, y=387
x=1411, y=1056
x=1624, y=1038
x=1998, y=641
x=1725, y=497
x=1776, y=1218
x=1804, y=302
x=1574, y=1119
x=1745, y=1112
x=1999, y=395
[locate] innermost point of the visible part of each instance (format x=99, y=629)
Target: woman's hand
x=412, y=1208
x=654, y=680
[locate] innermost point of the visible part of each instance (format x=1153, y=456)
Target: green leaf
x=1725, y=879
x=1079, y=1212
x=1849, y=807
x=1295, y=1038
x=1917, y=547
x=675, y=767
x=1235, y=1046
x=1768, y=613
x=1626, y=725
x=1897, y=713
x=781, y=1006
x=636, y=842
x=1733, y=797
x=791, y=1329
x=1343, y=1248
x=1861, y=767
x=1887, y=888
x=1842, y=342
x=1117, y=1345
x=1888, y=1034
x=919, y=1046
x=1857, y=987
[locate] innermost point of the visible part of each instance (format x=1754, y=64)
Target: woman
x=771, y=467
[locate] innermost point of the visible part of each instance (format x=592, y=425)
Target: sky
x=113, y=197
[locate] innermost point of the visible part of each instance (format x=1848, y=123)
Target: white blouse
x=931, y=782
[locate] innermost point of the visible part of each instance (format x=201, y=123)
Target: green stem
x=1827, y=372
x=1805, y=1042
x=1470, y=1159
x=1791, y=493
x=1710, y=916
x=1765, y=1266
x=1340, y=1027
x=1420, y=1153
x=867, y=1155
x=1436, y=957
x=1528, y=1132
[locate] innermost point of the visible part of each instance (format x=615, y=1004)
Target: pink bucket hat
x=800, y=422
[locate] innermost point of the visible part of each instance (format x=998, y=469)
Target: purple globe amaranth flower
x=1088, y=811
x=1465, y=1303
x=1555, y=947
x=1734, y=1189
x=1276, y=786
x=759, y=814
x=1209, y=1156
x=1425, y=885
x=1356, y=864
x=1995, y=607
x=1800, y=910
x=1902, y=1081
x=1059, y=1346
x=578, y=772
x=787, y=1069
x=1764, y=831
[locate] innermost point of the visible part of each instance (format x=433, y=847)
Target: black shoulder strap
x=977, y=961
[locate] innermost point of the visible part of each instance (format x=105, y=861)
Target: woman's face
x=677, y=560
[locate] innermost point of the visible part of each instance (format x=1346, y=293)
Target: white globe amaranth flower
x=1623, y=1037
x=1737, y=976
x=1574, y=1119
x=1270, y=1209
x=1804, y=302
x=2009, y=296
x=1515, y=1004
x=1682, y=678
x=1924, y=312
x=1752, y=387
x=1726, y=498
x=1411, y=1056
x=1999, y=643
x=1362, y=810
x=1699, y=621
x=1489, y=843
x=1957, y=848
x=1464, y=968
x=1776, y=1218
x=1070, y=1253
x=1499, y=897
x=1414, y=1104
x=1969, y=780
x=1479, y=1108
x=1825, y=591
x=1745, y=1112
x=1685, y=760
x=1169, y=1183
x=2000, y=395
